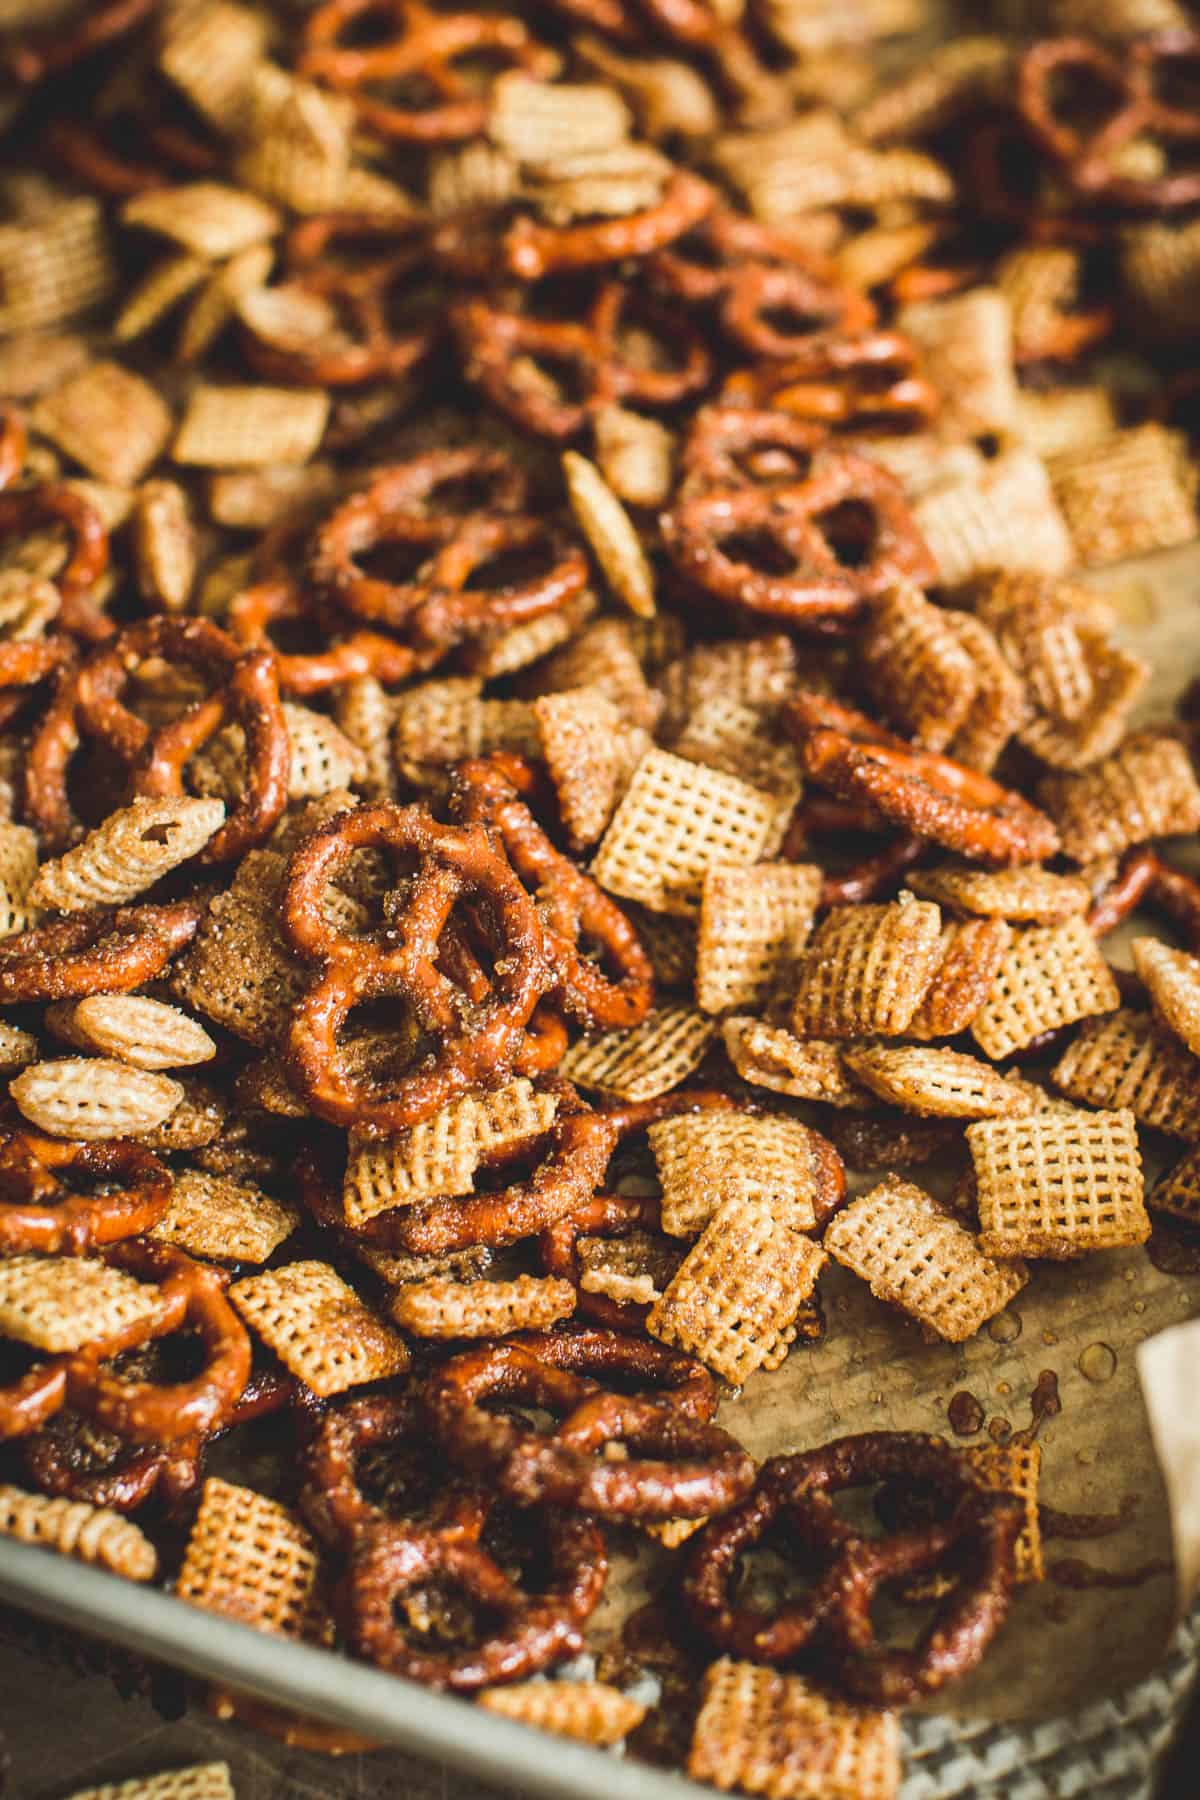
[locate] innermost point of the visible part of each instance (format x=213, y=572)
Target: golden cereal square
x=915, y=1255
x=223, y=1220
x=865, y=970
x=765, y=1733
x=1145, y=789
x=200, y=1781
x=248, y=427
x=1172, y=978
x=934, y=1083
x=640, y=1064
x=753, y=925
x=589, y=1711
x=252, y=1559
x=706, y=1158
x=1130, y=1060
x=735, y=1299
x=916, y=669
x=757, y=671
x=317, y=1325
x=59, y=1303
x=441, y=1308
x=970, y=956
x=1051, y=976
x=1178, y=1191
x=208, y=218
x=1058, y=1184
x=676, y=820
x=1129, y=494
x=109, y=420
x=1026, y=896
x=741, y=740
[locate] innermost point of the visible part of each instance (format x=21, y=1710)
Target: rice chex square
x=1130, y=1060
x=1058, y=1184
x=317, y=1325
x=865, y=970
x=252, y=1559
x=1051, y=976
x=706, y=1158
x=753, y=925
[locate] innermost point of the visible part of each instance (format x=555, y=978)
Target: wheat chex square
x=1130, y=1060
x=806, y=1068
x=252, y=1559
x=706, y=1158
x=1058, y=1184
x=59, y=1303
x=224, y=1220
x=640, y=1064
x=317, y=1325
x=1173, y=980
x=1145, y=789
x=753, y=925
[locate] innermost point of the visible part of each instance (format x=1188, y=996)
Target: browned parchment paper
x=1086, y=1322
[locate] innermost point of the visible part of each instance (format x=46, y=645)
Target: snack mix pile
x=550, y=710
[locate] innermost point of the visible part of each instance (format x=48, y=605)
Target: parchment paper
x=1086, y=1322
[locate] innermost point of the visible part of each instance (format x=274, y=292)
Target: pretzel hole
x=394, y=560
x=370, y=29
x=760, y=551
x=443, y=1613
x=1089, y=97
x=790, y=320
x=850, y=529
x=96, y=785
x=1175, y=82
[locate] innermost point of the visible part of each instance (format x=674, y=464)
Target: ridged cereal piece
x=1014, y=1468
x=317, y=1325
x=1058, y=1184
x=934, y=1083
x=252, y=1559
x=586, y=746
x=915, y=1255
x=209, y=52
x=603, y=656
x=1173, y=980
x=916, y=668
x=1130, y=1060
x=250, y=427
x=636, y=455
x=742, y=740
x=736, y=1297
x=146, y=1034
x=865, y=970
x=157, y=294
x=91, y=1534
x=108, y=419
x=757, y=672
x=207, y=217
x=164, y=545
x=754, y=924
x=200, y=1781
x=706, y=1158
x=1178, y=1191
x=297, y=148
x=1146, y=789
x=967, y=352
x=223, y=1220
x=92, y=1099
x=1028, y=896
x=18, y=869
x=482, y=1309
x=1131, y=493
x=54, y=266
x=127, y=854
x=59, y=1303
x=1007, y=518
x=17, y=1048
x=610, y=534
x=1051, y=976
x=238, y=972
x=653, y=1058
x=365, y=716
x=586, y=1710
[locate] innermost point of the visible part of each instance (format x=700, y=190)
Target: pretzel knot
x=476, y=1045
x=807, y=553
x=679, y=1464
x=43, y=1215
x=246, y=690
x=409, y=86
x=1091, y=154
x=532, y=250
x=739, y=446
x=350, y=340
x=24, y=510
x=280, y=601
x=863, y=382
x=518, y=358
x=974, y=1537
x=930, y=796
x=96, y=953
x=149, y=1412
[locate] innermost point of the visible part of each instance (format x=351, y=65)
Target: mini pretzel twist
x=47, y=1217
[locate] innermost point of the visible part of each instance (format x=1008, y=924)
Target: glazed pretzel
x=30, y=60
x=929, y=796
x=533, y=251
x=454, y=864
x=96, y=953
x=817, y=815
x=53, y=504
x=45, y=1216
x=499, y=342
x=366, y=348
x=1090, y=159
x=834, y=1617
x=604, y=1215
x=731, y=446
x=280, y=600
x=868, y=382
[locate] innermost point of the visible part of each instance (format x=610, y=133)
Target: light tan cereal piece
x=916, y=668
x=914, y=1254
x=971, y=954
x=197, y=1121
x=1042, y=284
x=676, y=820
x=1038, y=629
x=598, y=183
x=935, y=1083
x=1129, y=1060
x=610, y=534
x=865, y=970
x=1051, y=976
x=161, y=289
x=238, y=971
x=923, y=462
x=1178, y=1191
x=251, y=1559
x=323, y=759
x=224, y=1220
x=1144, y=790
x=59, y=1303
x=967, y=352
x=206, y=217
x=214, y=306
x=757, y=672
x=504, y=652
x=472, y=177
x=91, y=1534
x=17, y=1048
x=128, y=853
x=1058, y=1184
x=256, y=499
x=765, y=1733
x=1007, y=518
x=474, y=1309
x=742, y=740
x=754, y=924
x=147, y=1034
x=640, y=1064
x=200, y=1781
x=584, y=742
x=108, y=419
x=603, y=656
x=586, y=1710
x=164, y=545
x=737, y=1294
x=669, y=942
x=246, y=427
x=706, y=1158
x=1173, y=979
x=262, y=1085
x=790, y=170
x=1132, y=493
x=807, y=1068
x=18, y=868
x=510, y=1115
x=33, y=362
x=210, y=51
x=298, y=145
x=634, y=1268
x=317, y=1325
x=540, y=121
x=1063, y=419
x=669, y=97
x=366, y=717
x=953, y=76
x=54, y=266
x=445, y=721
x=91, y=1098
x=1014, y=1468
x=636, y=455
x=1118, y=677
x=1028, y=896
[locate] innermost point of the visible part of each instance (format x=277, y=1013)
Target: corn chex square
x=109, y=420
x=706, y=1158
x=1051, y=976
x=59, y=1303
x=1025, y=896
x=1130, y=1060
x=756, y=671
x=584, y=743
x=441, y=1308
x=970, y=956
x=765, y=1733
x=200, y=1781
x=640, y=1064
x=1058, y=1184
x=589, y=1711
x=247, y=427
x=865, y=970
x=1173, y=980
x=915, y=1255
x=767, y=1056
x=252, y=1559
x=224, y=1220
x=936, y=1083
x=753, y=925
x=916, y=669
x=741, y=740
x=735, y=1299
x=676, y=820
x=1014, y=1468
x=238, y=970
x=1178, y=1191
x=317, y=1325
x=1145, y=789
